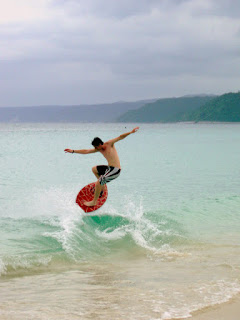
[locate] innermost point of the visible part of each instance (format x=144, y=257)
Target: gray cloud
x=92, y=51
x=126, y=8
x=114, y=9
x=227, y=8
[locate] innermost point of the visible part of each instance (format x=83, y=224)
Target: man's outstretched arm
x=82, y=151
x=123, y=136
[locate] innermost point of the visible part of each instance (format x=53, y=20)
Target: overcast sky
x=93, y=51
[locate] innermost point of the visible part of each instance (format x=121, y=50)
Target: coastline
x=229, y=310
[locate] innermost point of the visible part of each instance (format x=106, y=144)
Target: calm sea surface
x=165, y=244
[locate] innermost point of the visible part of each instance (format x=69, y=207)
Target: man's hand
x=135, y=130
x=68, y=151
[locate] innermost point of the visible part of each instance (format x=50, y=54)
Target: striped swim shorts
x=107, y=174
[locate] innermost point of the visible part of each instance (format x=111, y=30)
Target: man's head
x=97, y=143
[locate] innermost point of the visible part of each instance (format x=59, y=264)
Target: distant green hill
x=165, y=110
x=225, y=108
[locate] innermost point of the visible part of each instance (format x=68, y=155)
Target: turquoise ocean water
x=165, y=244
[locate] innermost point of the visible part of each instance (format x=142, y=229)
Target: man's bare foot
x=90, y=203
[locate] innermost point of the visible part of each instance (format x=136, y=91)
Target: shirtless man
x=108, y=173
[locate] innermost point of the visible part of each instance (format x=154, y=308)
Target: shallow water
x=165, y=244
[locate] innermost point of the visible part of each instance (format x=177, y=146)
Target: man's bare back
x=109, y=152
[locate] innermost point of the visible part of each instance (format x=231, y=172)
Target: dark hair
x=96, y=142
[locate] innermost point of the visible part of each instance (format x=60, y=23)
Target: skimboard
x=87, y=194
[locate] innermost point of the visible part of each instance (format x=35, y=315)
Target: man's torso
x=111, y=155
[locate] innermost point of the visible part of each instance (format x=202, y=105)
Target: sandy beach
x=225, y=311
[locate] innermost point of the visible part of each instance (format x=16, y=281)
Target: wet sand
x=225, y=311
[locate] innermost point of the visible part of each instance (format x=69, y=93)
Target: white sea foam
x=116, y=234
x=140, y=228
x=206, y=295
x=23, y=262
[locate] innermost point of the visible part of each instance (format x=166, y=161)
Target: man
x=108, y=173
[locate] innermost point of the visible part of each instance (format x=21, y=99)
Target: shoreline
x=229, y=310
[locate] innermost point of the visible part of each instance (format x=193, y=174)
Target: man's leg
x=94, y=170
x=98, y=189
